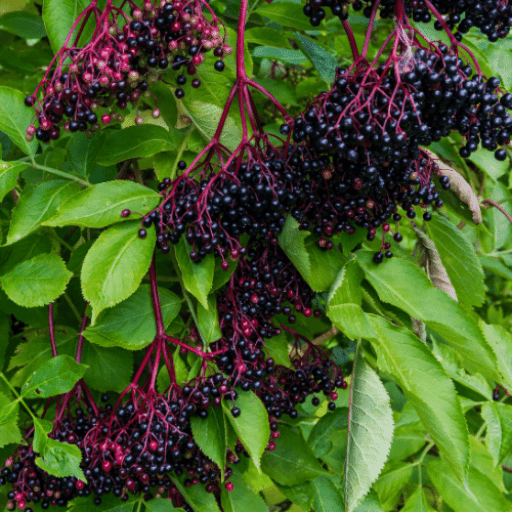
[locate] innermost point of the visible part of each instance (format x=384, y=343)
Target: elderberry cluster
x=91, y=85
x=314, y=10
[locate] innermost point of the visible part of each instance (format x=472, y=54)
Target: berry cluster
x=89, y=86
x=314, y=10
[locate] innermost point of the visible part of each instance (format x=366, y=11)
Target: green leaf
x=82, y=152
x=61, y=460
x=115, y=266
x=252, y=426
x=389, y=486
x=109, y=369
x=501, y=342
x=292, y=241
x=197, y=497
x=221, y=277
x=323, y=60
x=293, y=57
x=15, y=118
x=210, y=435
x=370, y=432
x=37, y=206
x=59, y=16
x=428, y=388
x=23, y=24
x=101, y=205
x=292, y=462
x=111, y=503
x=36, y=282
x=55, y=377
x=483, y=495
x=279, y=350
x=301, y=494
x=370, y=504
x=131, y=324
x=403, y=284
x=320, y=437
x=266, y=36
x=498, y=435
x=197, y=277
x=417, y=502
x=135, y=142
x=9, y=430
x=344, y=302
x=41, y=430
x=328, y=497
x=159, y=505
x=288, y=14
x=208, y=321
x=459, y=259
x=242, y=498
x=406, y=442
x=9, y=173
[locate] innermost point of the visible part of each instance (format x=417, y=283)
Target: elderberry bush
x=276, y=291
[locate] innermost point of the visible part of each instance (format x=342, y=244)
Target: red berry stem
x=80, y=345
x=52, y=329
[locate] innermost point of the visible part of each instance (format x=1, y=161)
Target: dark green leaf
x=208, y=321
x=328, y=497
x=23, y=24
x=210, y=435
x=242, y=498
x=320, y=438
x=159, y=505
x=82, y=152
x=9, y=173
x=323, y=60
x=197, y=497
x=288, y=14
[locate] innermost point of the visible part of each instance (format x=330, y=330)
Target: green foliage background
x=425, y=336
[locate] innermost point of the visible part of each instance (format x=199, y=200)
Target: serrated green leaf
x=320, y=438
x=210, y=435
x=403, y=284
x=459, y=259
x=115, y=266
x=389, y=486
x=292, y=462
x=41, y=430
x=160, y=505
x=292, y=241
x=279, y=350
x=100, y=205
x=55, y=377
x=15, y=118
x=242, y=498
x=370, y=432
x=9, y=173
x=498, y=434
x=208, y=321
x=328, y=497
x=417, y=502
x=110, y=369
x=61, y=460
x=36, y=282
x=323, y=60
x=34, y=208
x=483, y=495
x=288, y=14
x=252, y=426
x=197, y=497
x=131, y=324
x=82, y=151
x=501, y=342
x=197, y=277
x=428, y=388
x=301, y=494
x=9, y=430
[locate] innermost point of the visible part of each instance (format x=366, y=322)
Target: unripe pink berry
x=139, y=121
x=31, y=130
x=138, y=14
x=105, y=119
x=229, y=486
x=156, y=113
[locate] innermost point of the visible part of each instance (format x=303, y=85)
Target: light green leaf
x=9, y=430
x=55, y=377
x=328, y=497
x=417, y=502
x=208, y=321
x=501, y=342
x=242, y=498
x=9, y=173
x=115, y=266
x=370, y=432
x=36, y=282
x=252, y=426
x=279, y=350
x=197, y=277
x=41, y=430
x=406, y=442
x=197, y=497
x=483, y=496
x=389, y=486
x=59, y=16
x=15, y=118
x=292, y=241
x=61, y=460
x=459, y=259
x=131, y=324
x=136, y=142
x=210, y=435
x=292, y=462
x=100, y=205
x=428, y=388
x=498, y=434
x=34, y=208
x=160, y=505
x=403, y=284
